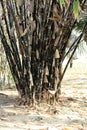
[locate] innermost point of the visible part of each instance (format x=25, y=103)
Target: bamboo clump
x=37, y=33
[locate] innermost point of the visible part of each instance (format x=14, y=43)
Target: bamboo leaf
x=62, y=2
x=76, y=8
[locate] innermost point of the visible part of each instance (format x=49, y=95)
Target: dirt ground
x=69, y=114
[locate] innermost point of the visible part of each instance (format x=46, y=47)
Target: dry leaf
x=31, y=79
x=56, y=28
x=19, y=2
x=31, y=6
x=56, y=16
x=20, y=30
x=37, y=54
x=56, y=83
x=45, y=79
x=25, y=31
x=54, y=19
x=52, y=92
x=12, y=31
x=33, y=25
x=56, y=71
x=46, y=71
x=53, y=63
x=66, y=129
x=19, y=20
x=57, y=54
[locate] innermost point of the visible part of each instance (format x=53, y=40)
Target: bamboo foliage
x=35, y=41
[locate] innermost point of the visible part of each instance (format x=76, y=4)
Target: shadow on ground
x=6, y=100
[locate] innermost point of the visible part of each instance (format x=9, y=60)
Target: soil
x=70, y=113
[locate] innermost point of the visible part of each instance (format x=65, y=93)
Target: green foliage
x=76, y=8
x=62, y=2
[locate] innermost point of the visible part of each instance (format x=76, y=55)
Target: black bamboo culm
x=35, y=35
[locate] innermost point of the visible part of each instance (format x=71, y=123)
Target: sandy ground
x=69, y=114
